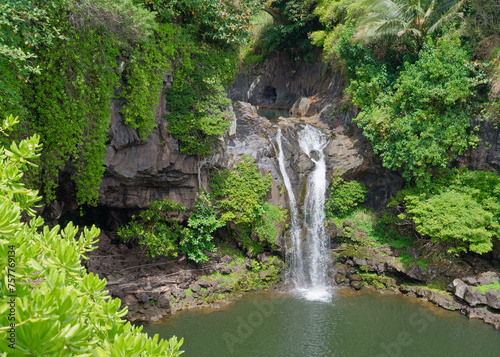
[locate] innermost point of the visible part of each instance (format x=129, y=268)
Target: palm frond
x=450, y=14
x=397, y=17
x=387, y=7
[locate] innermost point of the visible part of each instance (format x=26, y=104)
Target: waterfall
x=296, y=264
x=309, y=259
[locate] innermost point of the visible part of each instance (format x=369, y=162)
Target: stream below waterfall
x=350, y=324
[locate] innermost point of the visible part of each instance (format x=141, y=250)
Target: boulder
x=459, y=288
x=142, y=297
x=485, y=280
x=204, y=283
x=354, y=277
x=178, y=293
x=304, y=107
x=339, y=278
x=189, y=299
x=226, y=259
x=261, y=257
x=493, y=298
x=470, y=280
x=357, y=285
x=360, y=262
x=164, y=301
x=474, y=297
x=195, y=287
x=224, y=270
x=185, y=277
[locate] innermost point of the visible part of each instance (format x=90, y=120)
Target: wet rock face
x=280, y=81
x=347, y=152
x=138, y=172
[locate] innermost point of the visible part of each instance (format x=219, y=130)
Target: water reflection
x=351, y=324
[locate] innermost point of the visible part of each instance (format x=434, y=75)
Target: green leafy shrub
x=272, y=216
x=60, y=309
x=425, y=121
x=202, y=223
x=241, y=198
x=241, y=192
x=197, y=100
x=155, y=229
x=459, y=208
x=223, y=22
x=455, y=218
x=344, y=197
x=145, y=80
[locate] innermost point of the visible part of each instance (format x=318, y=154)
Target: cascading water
x=296, y=264
x=312, y=142
x=309, y=259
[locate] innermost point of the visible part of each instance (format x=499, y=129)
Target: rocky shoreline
x=152, y=289
x=473, y=295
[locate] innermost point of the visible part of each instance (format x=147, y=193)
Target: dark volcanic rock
x=474, y=297
x=493, y=298
x=164, y=301
x=357, y=285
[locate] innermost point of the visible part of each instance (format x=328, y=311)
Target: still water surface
x=273, y=114
x=351, y=324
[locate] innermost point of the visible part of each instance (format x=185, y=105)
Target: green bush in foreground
x=60, y=309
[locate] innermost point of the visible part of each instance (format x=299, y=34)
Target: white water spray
x=296, y=264
x=309, y=262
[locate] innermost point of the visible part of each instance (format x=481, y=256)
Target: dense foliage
x=237, y=202
x=293, y=21
x=420, y=72
x=223, y=22
x=60, y=309
x=155, y=228
x=74, y=75
x=459, y=208
x=344, y=197
x=415, y=19
x=424, y=121
x=148, y=64
x=202, y=223
x=63, y=61
x=337, y=17
x=241, y=198
x=197, y=100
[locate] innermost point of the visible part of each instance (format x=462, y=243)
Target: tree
x=49, y=305
x=24, y=26
x=424, y=121
x=417, y=18
x=222, y=22
x=459, y=209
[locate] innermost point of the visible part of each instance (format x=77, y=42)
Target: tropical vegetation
x=422, y=76
x=50, y=305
